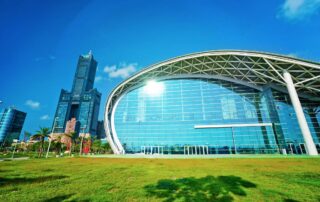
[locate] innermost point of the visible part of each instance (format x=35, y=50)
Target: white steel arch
x=253, y=68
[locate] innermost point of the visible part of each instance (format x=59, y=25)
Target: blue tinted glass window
x=167, y=117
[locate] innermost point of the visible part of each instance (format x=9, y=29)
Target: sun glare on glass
x=154, y=88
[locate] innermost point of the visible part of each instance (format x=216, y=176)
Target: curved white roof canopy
x=255, y=69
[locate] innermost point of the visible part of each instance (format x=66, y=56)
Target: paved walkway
x=173, y=156
x=14, y=159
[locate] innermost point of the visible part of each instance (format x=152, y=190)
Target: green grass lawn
x=112, y=179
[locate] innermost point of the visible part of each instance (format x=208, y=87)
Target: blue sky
x=41, y=40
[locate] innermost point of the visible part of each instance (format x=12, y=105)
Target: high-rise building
x=83, y=102
x=101, y=133
x=11, y=123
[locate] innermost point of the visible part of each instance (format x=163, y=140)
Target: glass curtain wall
x=294, y=142
x=161, y=118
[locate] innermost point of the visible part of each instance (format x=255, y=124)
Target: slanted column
x=310, y=146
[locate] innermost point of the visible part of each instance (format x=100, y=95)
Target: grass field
x=112, y=179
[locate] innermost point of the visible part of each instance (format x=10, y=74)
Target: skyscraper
x=101, y=133
x=11, y=123
x=83, y=102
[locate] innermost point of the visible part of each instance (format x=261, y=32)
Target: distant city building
x=82, y=103
x=101, y=133
x=11, y=123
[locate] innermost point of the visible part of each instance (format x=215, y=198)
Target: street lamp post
x=54, y=125
x=14, y=149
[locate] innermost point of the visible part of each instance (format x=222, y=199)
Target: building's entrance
x=152, y=150
x=291, y=148
x=196, y=150
x=302, y=148
x=318, y=147
x=298, y=148
x=240, y=138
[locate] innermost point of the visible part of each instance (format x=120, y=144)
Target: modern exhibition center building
x=218, y=102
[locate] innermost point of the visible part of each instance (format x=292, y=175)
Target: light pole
x=80, y=153
x=14, y=149
x=54, y=125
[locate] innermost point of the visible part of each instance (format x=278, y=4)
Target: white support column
x=310, y=146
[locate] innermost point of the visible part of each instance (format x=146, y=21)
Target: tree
x=40, y=136
x=23, y=146
x=106, y=147
x=57, y=143
x=68, y=139
x=96, y=145
x=77, y=142
x=86, y=145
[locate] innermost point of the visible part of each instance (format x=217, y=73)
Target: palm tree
x=106, y=147
x=77, y=142
x=86, y=145
x=57, y=140
x=41, y=135
x=96, y=145
x=69, y=136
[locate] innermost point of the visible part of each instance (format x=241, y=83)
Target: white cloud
x=45, y=117
x=299, y=9
x=33, y=104
x=123, y=71
x=108, y=69
x=98, y=78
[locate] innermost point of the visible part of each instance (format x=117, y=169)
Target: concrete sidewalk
x=14, y=159
x=173, y=156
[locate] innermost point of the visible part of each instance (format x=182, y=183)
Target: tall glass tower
x=11, y=123
x=83, y=102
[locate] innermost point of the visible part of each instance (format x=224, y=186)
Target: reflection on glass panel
x=83, y=115
x=289, y=124
x=229, y=109
x=82, y=69
x=164, y=121
x=61, y=114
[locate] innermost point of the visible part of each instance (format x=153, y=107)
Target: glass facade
x=294, y=142
x=84, y=77
x=206, y=116
x=11, y=123
x=83, y=102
